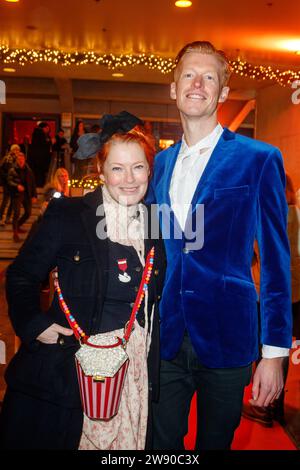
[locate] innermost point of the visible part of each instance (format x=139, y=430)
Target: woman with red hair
x=99, y=244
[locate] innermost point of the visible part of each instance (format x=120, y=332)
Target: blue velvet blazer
x=209, y=291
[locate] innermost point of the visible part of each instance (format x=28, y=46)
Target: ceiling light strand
x=164, y=65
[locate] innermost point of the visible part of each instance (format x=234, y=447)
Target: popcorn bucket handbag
x=102, y=361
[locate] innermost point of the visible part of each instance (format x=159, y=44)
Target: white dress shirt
x=189, y=167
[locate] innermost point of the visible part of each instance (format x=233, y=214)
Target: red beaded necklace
x=78, y=332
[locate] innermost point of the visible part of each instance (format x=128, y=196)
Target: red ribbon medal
x=122, y=263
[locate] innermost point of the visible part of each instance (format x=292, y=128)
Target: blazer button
x=138, y=269
x=136, y=289
x=132, y=304
x=158, y=297
x=186, y=251
x=77, y=257
x=156, y=272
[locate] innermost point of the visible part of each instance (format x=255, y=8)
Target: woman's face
x=63, y=178
x=80, y=128
x=125, y=172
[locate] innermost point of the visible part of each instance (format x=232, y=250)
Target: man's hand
x=267, y=381
x=50, y=336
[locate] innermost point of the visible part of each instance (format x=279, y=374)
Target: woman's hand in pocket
x=50, y=335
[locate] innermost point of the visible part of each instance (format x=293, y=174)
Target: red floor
x=249, y=435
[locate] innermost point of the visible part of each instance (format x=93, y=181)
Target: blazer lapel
x=214, y=168
x=90, y=220
x=169, y=167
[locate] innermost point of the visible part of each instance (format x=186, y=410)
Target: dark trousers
x=219, y=402
x=5, y=200
x=19, y=200
x=29, y=423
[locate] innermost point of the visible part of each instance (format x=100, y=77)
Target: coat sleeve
x=12, y=178
x=28, y=271
x=275, y=288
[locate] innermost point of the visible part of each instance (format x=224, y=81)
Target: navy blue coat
x=67, y=239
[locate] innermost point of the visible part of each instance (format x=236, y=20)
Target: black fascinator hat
x=90, y=144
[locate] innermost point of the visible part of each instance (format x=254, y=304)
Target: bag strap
x=79, y=333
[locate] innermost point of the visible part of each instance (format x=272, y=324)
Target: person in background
x=25, y=145
x=275, y=411
x=59, y=183
x=23, y=193
x=39, y=156
x=219, y=191
x=60, y=143
x=95, y=128
x=6, y=164
x=78, y=131
x=79, y=166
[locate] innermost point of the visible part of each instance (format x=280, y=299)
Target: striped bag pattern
x=101, y=399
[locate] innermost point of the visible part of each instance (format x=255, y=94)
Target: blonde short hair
x=14, y=147
x=205, y=47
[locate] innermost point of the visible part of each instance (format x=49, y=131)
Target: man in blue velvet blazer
x=223, y=191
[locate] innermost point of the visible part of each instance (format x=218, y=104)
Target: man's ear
x=173, y=91
x=224, y=94
x=102, y=178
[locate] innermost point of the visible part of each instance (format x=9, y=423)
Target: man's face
x=198, y=87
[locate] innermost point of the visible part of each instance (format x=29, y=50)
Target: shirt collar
x=207, y=142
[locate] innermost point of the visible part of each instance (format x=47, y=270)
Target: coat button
x=158, y=297
x=136, y=289
x=138, y=269
x=132, y=304
x=60, y=340
x=77, y=257
x=156, y=272
x=185, y=251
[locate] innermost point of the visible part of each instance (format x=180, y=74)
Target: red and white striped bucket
x=101, y=399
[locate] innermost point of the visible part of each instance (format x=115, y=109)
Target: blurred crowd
x=40, y=161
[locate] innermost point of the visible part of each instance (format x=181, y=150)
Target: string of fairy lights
x=261, y=72
x=85, y=183
x=164, y=65
x=112, y=61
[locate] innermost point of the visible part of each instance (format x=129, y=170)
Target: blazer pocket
x=232, y=193
x=240, y=287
